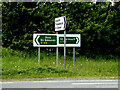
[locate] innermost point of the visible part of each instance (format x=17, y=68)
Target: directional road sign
x=60, y=23
x=56, y=40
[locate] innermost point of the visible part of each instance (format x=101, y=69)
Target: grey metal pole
x=38, y=51
x=57, y=54
x=73, y=56
x=65, y=49
x=39, y=55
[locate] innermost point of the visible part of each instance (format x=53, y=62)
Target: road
x=62, y=84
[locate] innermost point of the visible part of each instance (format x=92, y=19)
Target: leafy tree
x=97, y=23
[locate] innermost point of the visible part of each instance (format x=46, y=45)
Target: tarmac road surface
x=62, y=84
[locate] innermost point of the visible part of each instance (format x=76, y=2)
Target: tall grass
x=19, y=64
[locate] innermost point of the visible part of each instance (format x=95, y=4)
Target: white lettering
x=47, y=37
x=50, y=40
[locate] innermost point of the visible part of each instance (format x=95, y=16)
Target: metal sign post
x=65, y=49
x=57, y=54
x=38, y=48
x=39, y=55
x=60, y=24
x=73, y=56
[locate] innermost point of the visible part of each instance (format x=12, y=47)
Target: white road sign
x=60, y=23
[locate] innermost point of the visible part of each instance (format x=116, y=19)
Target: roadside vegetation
x=20, y=64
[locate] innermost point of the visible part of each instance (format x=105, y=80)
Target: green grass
x=17, y=64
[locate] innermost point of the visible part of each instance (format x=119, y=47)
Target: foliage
x=97, y=23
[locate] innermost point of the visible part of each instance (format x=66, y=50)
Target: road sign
x=70, y=40
x=44, y=40
x=60, y=23
x=56, y=40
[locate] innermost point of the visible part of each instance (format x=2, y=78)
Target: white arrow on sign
x=37, y=39
x=77, y=40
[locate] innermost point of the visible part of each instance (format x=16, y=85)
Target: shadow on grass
x=39, y=70
x=50, y=69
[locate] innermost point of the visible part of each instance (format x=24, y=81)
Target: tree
x=97, y=23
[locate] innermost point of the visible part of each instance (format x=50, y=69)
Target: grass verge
x=17, y=64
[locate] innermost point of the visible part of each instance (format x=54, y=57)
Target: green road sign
x=56, y=40
x=46, y=39
x=69, y=40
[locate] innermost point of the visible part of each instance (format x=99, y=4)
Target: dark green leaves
x=97, y=23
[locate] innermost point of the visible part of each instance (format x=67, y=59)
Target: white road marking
x=94, y=83
x=76, y=81
x=6, y=82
